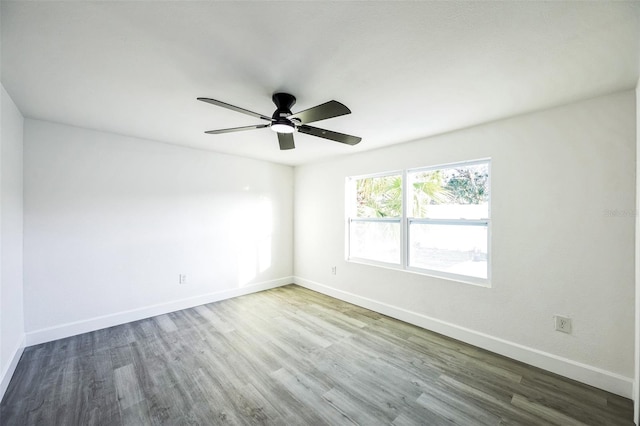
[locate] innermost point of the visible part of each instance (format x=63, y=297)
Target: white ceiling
x=405, y=69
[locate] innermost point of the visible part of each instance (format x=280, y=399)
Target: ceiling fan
x=285, y=123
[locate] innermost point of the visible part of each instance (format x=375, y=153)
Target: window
x=431, y=220
x=375, y=231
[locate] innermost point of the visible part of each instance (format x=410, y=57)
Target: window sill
x=478, y=282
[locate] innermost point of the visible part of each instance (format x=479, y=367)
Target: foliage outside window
x=433, y=220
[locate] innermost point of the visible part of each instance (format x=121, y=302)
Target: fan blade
x=235, y=108
x=321, y=112
x=236, y=129
x=286, y=141
x=328, y=134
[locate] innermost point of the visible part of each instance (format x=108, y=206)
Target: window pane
x=375, y=241
x=456, y=249
x=450, y=193
x=379, y=196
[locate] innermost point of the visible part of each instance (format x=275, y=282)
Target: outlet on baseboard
x=562, y=323
x=182, y=278
x=334, y=270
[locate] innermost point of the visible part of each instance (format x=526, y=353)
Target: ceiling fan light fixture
x=283, y=127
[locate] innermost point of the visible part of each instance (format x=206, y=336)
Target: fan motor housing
x=283, y=102
x=281, y=123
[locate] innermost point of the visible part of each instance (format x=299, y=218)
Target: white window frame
x=405, y=223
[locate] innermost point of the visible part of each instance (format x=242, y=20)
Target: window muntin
x=431, y=220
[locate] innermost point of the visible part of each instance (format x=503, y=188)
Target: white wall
x=111, y=222
x=636, y=383
x=12, y=339
x=563, y=214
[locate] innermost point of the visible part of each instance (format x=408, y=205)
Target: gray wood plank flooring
x=288, y=356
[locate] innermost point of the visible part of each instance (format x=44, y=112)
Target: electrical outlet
x=182, y=279
x=563, y=324
x=333, y=270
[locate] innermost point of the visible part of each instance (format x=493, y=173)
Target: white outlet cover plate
x=563, y=324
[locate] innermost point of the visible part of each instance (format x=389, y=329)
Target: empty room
x=319, y=213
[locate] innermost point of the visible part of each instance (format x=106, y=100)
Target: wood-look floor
x=288, y=356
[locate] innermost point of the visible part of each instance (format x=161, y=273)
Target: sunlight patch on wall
x=254, y=239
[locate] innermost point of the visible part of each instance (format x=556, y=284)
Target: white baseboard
x=11, y=367
x=580, y=372
x=97, y=323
